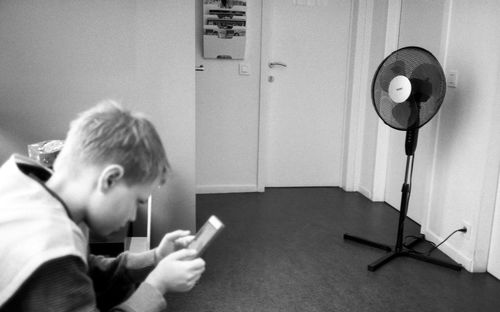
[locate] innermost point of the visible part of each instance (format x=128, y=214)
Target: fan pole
x=410, y=147
x=405, y=198
x=401, y=250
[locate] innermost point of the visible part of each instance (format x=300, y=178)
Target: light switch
x=452, y=78
x=244, y=69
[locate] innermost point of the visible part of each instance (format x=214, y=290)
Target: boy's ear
x=110, y=175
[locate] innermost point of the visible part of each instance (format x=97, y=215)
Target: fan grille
x=428, y=88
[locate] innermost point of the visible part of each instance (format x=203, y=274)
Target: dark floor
x=283, y=250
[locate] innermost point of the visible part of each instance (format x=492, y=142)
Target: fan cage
x=428, y=88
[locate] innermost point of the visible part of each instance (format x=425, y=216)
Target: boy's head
x=111, y=160
x=109, y=134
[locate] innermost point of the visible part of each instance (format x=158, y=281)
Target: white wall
x=60, y=57
x=227, y=114
x=467, y=155
x=428, y=36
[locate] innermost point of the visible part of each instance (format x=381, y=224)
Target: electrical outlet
x=452, y=78
x=469, y=229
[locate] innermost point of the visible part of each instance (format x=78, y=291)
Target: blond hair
x=107, y=133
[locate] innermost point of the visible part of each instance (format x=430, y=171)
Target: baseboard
x=212, y=189
x=450, y=251
x=365, y=192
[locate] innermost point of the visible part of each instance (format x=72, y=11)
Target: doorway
x=305, y=49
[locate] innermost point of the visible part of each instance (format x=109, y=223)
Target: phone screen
x=206, y=234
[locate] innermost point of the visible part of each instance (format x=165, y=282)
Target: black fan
x=407, y=91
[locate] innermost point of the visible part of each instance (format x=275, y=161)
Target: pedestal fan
x=407, y=91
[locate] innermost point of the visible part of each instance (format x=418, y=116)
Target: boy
x=111, y=161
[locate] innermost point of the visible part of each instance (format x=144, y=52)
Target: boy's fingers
x=198, y=264
x=183, y=254
x=176, y=234
x=185, y=240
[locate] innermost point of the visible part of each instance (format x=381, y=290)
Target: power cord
x=463, y=230
x=434, y=246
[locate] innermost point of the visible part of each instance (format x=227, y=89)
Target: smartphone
x=206, y=235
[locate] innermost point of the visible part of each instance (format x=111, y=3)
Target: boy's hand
x=177, y=272
x=171, y=242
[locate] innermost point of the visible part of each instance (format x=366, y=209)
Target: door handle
x=275, y=64
x=199, y=68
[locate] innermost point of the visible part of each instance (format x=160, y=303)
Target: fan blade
x=406, y=114
x=385, y=108
x=421, y=89
x=425, y=79
x=389, y=72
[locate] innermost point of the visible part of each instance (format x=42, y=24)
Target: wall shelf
x=224, y=29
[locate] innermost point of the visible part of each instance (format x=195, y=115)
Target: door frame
x=382, y=146
x=265, y=48
x=356, y=96
x=494, y=252
x=361, y=20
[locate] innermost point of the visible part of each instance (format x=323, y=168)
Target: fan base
x=400, y=252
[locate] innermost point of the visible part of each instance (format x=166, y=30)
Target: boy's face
x=112, y=209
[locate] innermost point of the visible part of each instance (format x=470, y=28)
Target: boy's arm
x=134, y=266
x=63, y=285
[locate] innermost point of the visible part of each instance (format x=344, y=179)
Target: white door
x=303, y=103
x=421, y=25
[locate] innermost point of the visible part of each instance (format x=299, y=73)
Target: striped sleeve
x=64, y=285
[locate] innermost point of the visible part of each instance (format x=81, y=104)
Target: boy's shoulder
x=31, y=167
x=39, y=228
x=19, y=163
